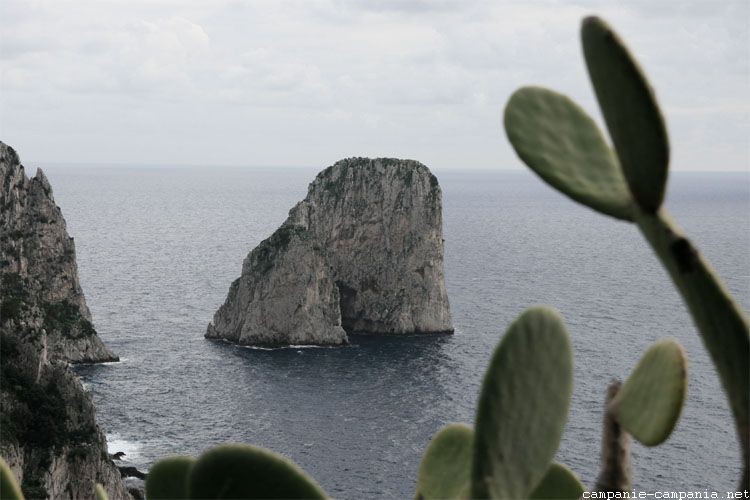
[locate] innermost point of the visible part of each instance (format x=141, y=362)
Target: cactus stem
x=615, y=474
x=722, y=324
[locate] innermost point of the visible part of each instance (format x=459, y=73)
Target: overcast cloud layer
x=309, y=82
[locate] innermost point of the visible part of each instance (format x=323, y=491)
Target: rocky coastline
x=48, y=435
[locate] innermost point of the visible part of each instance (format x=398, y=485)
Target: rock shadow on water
x=367, y=352
x=319, y=381
x=329, y=408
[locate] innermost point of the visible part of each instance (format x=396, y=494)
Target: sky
x=305, y=83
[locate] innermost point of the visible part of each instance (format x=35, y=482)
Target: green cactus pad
x=99, y=492
x=631, y=112
x=8, y=486
x=563, y=145
x=523, y=406
x=168, y=478
x=446, y=465
x=242, y=471
x=724, y=327
x=560, y=483
x=649, y=403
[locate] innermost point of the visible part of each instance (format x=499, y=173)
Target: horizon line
x=519, y=168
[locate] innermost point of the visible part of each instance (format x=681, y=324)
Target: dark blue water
x=157, y=249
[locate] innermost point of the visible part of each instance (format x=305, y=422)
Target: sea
x=158, y=247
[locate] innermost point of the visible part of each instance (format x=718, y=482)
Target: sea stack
x=38, y=259
x=362, y=253
x=49, y=437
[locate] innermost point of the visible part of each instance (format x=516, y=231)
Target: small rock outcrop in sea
x=48, y=433
x=133, y=478
x=363, y=252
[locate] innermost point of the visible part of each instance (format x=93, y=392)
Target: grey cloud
x=412, y=78
x=407, y=6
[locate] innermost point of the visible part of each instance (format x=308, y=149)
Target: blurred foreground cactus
x=563, y=145
x=230, y=471
x=523, y=407
x=9, y=489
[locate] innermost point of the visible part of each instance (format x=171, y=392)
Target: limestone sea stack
x=362, y=253
x=48, y=433
x=38, y=256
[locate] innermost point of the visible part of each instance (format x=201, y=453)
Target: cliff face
x=38, y=257
x=48, y=433
x=363, y=252
x=286, y=295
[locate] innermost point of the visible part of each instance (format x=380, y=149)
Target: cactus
x=9, y=489
x=615, y=474
x=559, y=142
x=649, y=403
x=559, y=483
x=168, y=478
x=630, y=110
x=522, y=410
x=722, y=323
x=647, y=406
x=241, y=471
x=567, y=150
x=231, y=471
x=99, y=492
x=523, y=406
x=446, y=466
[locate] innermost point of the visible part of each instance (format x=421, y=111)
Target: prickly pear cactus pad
x=633, y=118
x=649, y=403
x=9, y=488
x=723, y=324
x=639, y=134
x=560, y=483
x=523, y=406
x=563, y=145
x=242, y=471
x=446, y=465
x=168, y=478
x=99, y=492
